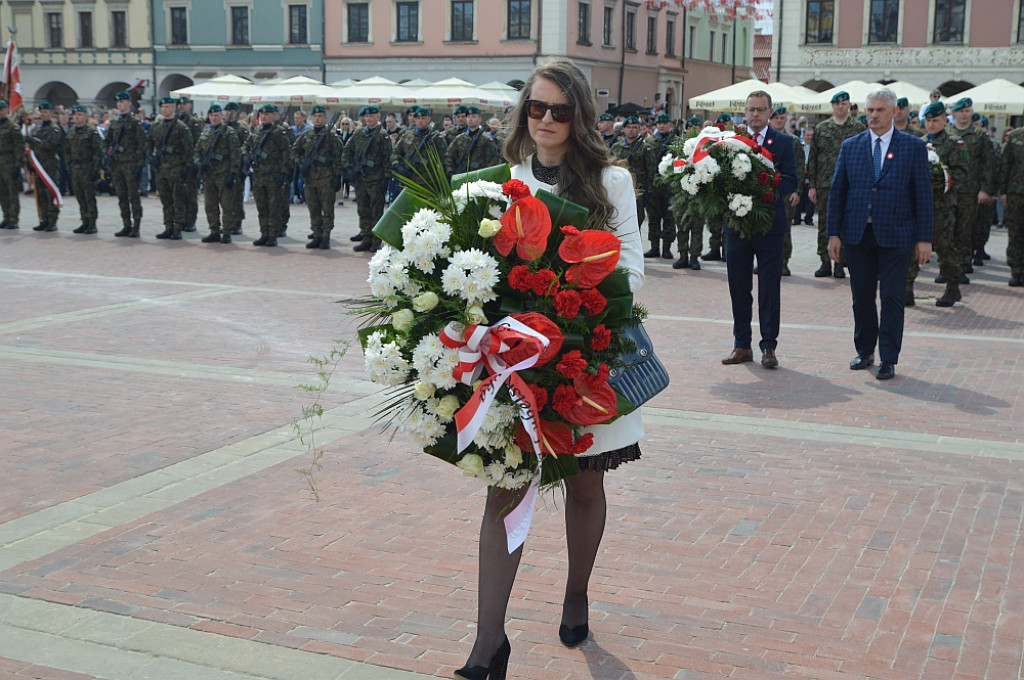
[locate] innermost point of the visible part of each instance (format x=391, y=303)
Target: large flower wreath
x=721, y=176
x=495, y=321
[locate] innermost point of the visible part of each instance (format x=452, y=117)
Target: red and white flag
x=11, y=82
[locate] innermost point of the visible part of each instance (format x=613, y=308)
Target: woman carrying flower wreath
x=553, y=145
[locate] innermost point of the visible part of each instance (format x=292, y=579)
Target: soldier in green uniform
x=84, y=159
x=367, y=163
x=284, y=205
x=217, y=159
x=409, y=157
x=238, y=189
x=1011, y=189
x=606, y=128
x=950, y=234
x=829, y=136
x=169, y=148
x=714, y=253
x=265, y=158
x=47, y=142
x=459, y=119
x=630, y=148
x=195, y=127
x=901, y=119
x=126, y=153
x=473, y=149
x=661, y=225
x=981, y=184
x=12, y=155
x=316, y=155
x=778, y=123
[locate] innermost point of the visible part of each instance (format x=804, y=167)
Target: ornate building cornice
x=901, y=57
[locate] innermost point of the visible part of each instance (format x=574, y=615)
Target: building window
x=358, y=22
x=239, y=25
x=55, y=29
x=584, y=24
x=85, y=29
x=609, y=25
x=670, y=38
x=820, y=19
x=118, y=29
x=1020, y=25
x=462, y=20
x=298, y=31
x=519, y=16
x=631, y=31
x=725, y=47
x=652, y=35
x=408, y=29
x=692, y=51
x=711, y=51
x=179, y=26
x=885, y=16
x=949, y=21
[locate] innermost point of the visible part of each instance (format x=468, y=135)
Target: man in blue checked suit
x=880, y=207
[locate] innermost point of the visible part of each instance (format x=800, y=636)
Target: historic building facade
x=950, y=44
x=655, y=54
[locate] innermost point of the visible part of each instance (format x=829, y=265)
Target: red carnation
x=600, y=338
x=593, y=301
x=519, y=278
x=768, y=197
x=540, y=396
x=542, y=281
x=776, y=179
x=763, y=177
x=572, y=364
x=564, y=398
x=515, y=189
x=567, y=304
x=582, y=444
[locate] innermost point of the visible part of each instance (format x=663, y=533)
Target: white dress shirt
x=886, y=138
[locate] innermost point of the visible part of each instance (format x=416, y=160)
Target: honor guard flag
x=10, y=86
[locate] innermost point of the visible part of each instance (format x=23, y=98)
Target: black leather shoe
x=838, y=272
x=90, y=229
x=978, y=261
x=824, y=270
x=225, y=237
x=211, y=238
x=271, y=242
x=573, y=637
x=681, y=263
x=886, y=371
x=984, y=255
x=862, y=361
x=79, y=230
x=940, y=279
x=948, y=299
x=325, y=243
x=363, y=245
x=666, y=253
x=355, y=238
x=261, y=241
x=768, y=359
x=174, y=237
x=190, y=228
x=908, y=299
x=968, y=268
x=653, y=252
x=166, y=233
x=39, y=227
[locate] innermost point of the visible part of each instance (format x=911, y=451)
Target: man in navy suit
x=880, y=207
x=768, y=248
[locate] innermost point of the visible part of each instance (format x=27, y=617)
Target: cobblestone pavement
x=809, y=522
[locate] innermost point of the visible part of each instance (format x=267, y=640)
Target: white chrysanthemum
x=424, y=427
x=425, y=238
x=471, y=275
x=389, y=274
x=705, y=170
x=740, y=205
x=689, y=184
x=434, y=362
x=513, y=480
x=495, y=430
x=384, y=361
x=741, y=166
x=689, y=146
x=933, y=157
x=479, y=189
x=666, y=164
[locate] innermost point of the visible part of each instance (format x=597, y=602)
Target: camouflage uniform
x=84, y=159
x=47, y=142
x=1011, y=185
x=661, y=224
x=639, y=167
x=12, y=155
x=821, y=166
x=982, y=166
x=217, y=158
x=195, y=126
x=317, y=156
x=410, y=156
x=284, y=205
x=367, y=160
x=169, y=148
x=269, y=151
x=238, y=190
x=472, y=150
x=126, y=151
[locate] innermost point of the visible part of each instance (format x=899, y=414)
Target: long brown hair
x=579, y=177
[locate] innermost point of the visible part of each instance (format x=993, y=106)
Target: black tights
x=585, y=511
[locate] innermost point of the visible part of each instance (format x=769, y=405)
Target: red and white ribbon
x=480, y=347
x=708, y=139
x=37, y=167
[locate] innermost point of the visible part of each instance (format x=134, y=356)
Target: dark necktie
x=878, y=157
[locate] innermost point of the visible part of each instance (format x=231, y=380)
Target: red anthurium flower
x=594, y=252
x=542, y=324
x=598, y=400
x=525, y=225
x=555, y=438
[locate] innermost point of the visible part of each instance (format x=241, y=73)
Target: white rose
x=513, y=456
x=447, y=407
x=423, y=391
x=489, y=228
x=402, y=320
x=472, y=465
x=476, y=315
x=424, y=302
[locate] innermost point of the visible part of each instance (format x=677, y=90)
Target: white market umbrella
x=733, y=98
x=822, y=103
x=376, y=90
x=347, y=82
x=291, y=92
x=917, y=96
x=416, y=83
x=226, y=88
x=997, y=97
x=453, y=92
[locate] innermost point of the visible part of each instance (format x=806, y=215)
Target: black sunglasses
x=560, y=113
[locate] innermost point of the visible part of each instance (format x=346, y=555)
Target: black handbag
x=644, y=375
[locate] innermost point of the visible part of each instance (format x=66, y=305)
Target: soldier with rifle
x=46, y=141
x=84, y=157
x=317, y=156
x=12, y=155
x=124, y=157
x=217, y=158
x=238, y=190
x=366, y=163
x=195, y=127
x=265, y=161
x=409, y=159
x=169, y=150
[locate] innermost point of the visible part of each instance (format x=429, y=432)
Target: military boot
x=325, y=241
x=713, y=255
x=80, y=229
x=134, y=233
x=824, y=270
x=40, y=227
x=313, y=243
x=51, y=226
x=908, y=298
x=166, y=233
x=126, y=230
x=212, y=237
x=225, y=237
x=262, y=240
x=364, y=244
x=654, y=251
x=271, y=241
x=666, y=251
x=90, y=227
x=949, y=297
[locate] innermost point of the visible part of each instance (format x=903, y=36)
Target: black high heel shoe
x=572, y=637
x=497, y=670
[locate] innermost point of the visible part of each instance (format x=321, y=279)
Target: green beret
x=461, y=109
x=779, y=110
x=693, y=120
x=122, y=95
x=317, y=109
x=903, y=103
x=184, y=100
x=841, y=96
x=231, y=106
x=45, y=106
x=962, y=104
x=935, y=110
x=608, y=116
x=862, y=119
x=663, y=118
x=215, y=108
x=268, y=108
x=913, y=115
x=3, y=104
x=723, y=118
x=631, y=120
x=984, y=121
x=370, y=108
x=975, y=117
x=78, y=108
x=472, y=111
x=168, y=100
x=422, y=112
